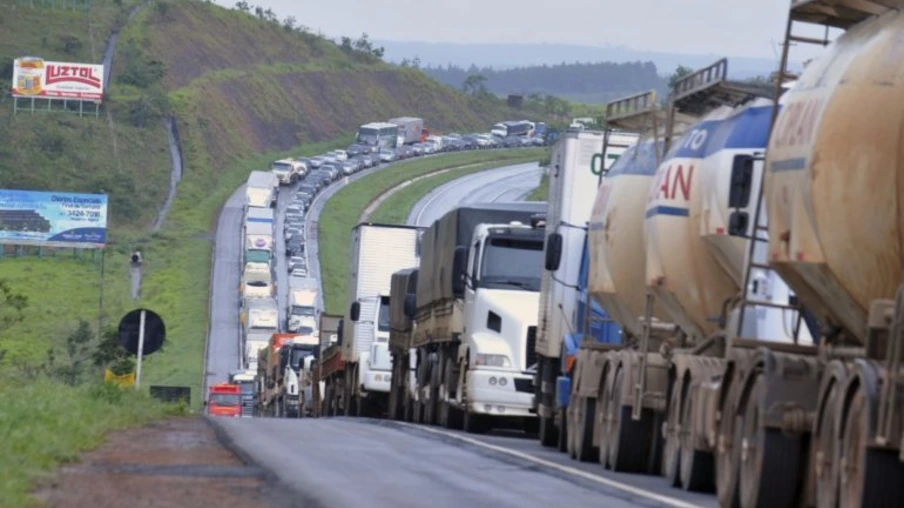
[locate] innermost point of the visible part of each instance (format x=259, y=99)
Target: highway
x=320, y=459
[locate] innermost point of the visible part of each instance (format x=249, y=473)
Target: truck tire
x=453, y=416
x=697, y=467
x=583, y=427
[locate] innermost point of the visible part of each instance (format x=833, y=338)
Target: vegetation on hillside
x=239, y=83
x=577, y=82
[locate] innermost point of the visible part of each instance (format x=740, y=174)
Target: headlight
x=493, y=360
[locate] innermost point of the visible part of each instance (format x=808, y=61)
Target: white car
x=295, y=262
x=298, y=272
x=341, y=155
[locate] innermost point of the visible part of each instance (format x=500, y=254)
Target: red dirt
x=174, y=463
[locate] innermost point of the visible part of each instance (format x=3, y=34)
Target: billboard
x=36, y=77
x=53, y=219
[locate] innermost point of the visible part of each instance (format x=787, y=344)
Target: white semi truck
x=362, y=374
x=476, y=318
x=302, y=312
x=260, y=320
x=260, y=190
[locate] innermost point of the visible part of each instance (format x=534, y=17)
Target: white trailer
x=364, y=373
x=302, y=312
x=261, y=189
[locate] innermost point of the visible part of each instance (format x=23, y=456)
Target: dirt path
x=175, y=463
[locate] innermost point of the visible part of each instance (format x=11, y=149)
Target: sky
x=751, y=28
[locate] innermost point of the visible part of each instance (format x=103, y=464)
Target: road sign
x=141, y=332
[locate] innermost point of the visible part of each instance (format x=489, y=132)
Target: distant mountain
x=506, y=56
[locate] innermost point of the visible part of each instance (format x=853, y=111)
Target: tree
x=243, y=6
x=110, y=355
x=475, y=84
x=12, y=308
x=77, y=354
x=289, y=23
x=679, y=73
x=259, y=12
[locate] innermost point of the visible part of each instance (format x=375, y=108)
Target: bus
x=378, y=135
x=514, y=128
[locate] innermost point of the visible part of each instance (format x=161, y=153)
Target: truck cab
x=288, y=171
x=245, y=380
x=224, y=399
x=499, y=275
x=302, y=311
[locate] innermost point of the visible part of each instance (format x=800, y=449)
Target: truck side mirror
x=459, y=266
x=737, y=223
x=553, y=251
x=410, y=305
x=741, y=181
x=339, y=330
x=354, y=312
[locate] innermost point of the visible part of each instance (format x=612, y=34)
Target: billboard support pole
x=100, y=302
x=140, y=350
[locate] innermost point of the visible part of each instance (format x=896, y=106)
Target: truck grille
x=530, y=354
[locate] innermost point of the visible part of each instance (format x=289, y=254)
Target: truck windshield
x=383, y=320
x=257, y=256
x=512, y=263
x=247, y=388
x=281, y=167
x=302, y=310
x=224, y=399
x=298, y=356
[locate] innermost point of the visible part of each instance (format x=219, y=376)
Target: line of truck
x=712, y=293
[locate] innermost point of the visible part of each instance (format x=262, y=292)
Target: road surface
x=511, y=183
x=397, y=465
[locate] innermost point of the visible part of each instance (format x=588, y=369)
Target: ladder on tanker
x=838, y=14
x=643, y=114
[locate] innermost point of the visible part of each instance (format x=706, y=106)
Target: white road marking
x=639, y=492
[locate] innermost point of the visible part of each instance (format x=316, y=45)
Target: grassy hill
x=242, y=91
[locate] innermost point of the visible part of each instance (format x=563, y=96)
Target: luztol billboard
x=36, y=77
x=54, y=219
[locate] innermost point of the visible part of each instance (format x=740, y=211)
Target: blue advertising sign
x=53, y=219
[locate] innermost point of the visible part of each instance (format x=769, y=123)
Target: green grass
x=341, y=212
x=44, y=424
x=395, y=209
x=541, y=193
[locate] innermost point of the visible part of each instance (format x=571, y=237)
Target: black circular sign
x=154, y=331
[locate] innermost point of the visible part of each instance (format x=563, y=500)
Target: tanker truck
x=402, y=308
x=563, y=301
x=476, y=315
x=699, y=242
x=822, y=422
x=358, y=369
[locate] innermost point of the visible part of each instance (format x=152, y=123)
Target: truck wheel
x=825, y=440
x=770, y=460
x=474, y=423
x=629, y=441
x=603, y=400
x=728, y=450
x=671, y=455
x=585, y=411
x=548, y=434
x=394, y=389
x=870, y=477
x=563, y=432
x=696, y=465
x=430, y=408
x=453, y=417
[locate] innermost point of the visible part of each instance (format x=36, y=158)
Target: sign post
x=141, y=332
x=140, y=349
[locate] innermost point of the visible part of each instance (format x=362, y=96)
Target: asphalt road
x=511, y=183
x=343, y=462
